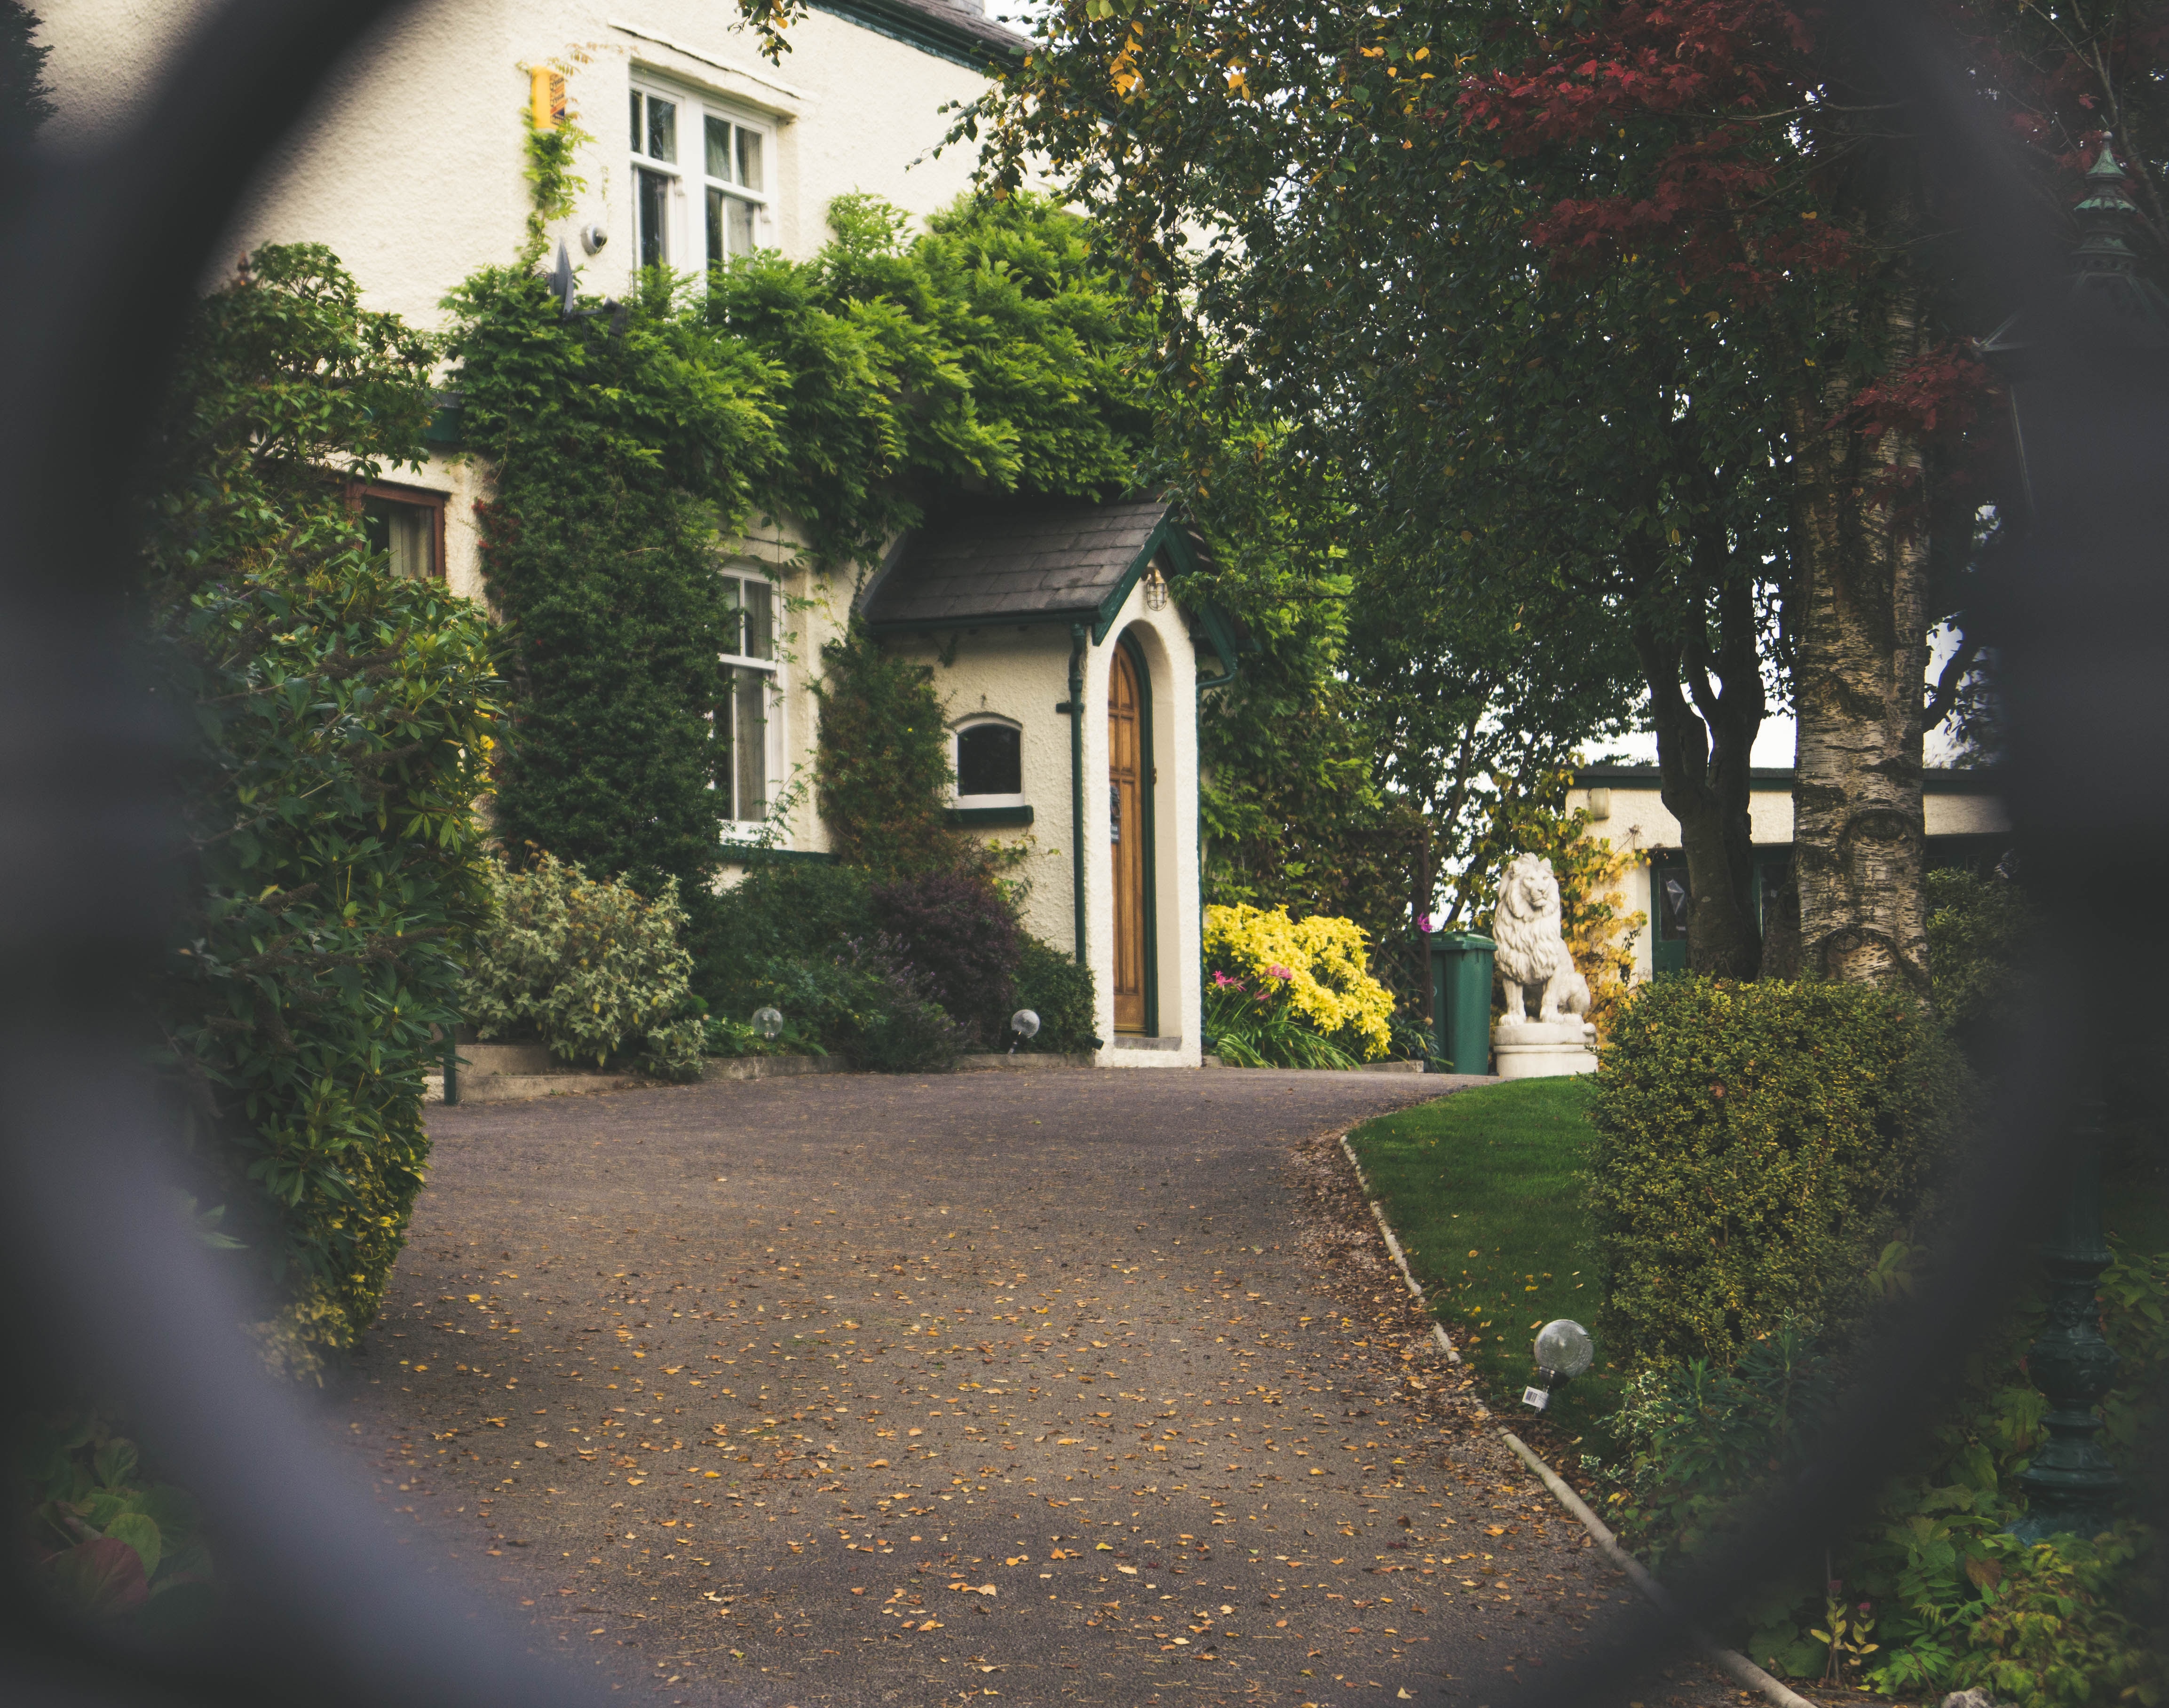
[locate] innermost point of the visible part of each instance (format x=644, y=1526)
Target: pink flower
x=1423, y=923
x=1277, y=970
x=1221, y=981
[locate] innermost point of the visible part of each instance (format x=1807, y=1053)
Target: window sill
x=989, y=818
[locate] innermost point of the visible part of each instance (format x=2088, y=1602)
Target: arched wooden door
x=1128, y=779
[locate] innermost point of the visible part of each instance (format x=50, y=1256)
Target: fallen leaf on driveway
x=1127, y=1571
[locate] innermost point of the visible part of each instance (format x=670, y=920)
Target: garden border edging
x=1392, y=1245
x=1731, y=1660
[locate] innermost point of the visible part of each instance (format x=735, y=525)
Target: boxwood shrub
x=1757, y=1146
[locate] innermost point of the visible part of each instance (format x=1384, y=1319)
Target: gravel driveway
x=1068, y=1387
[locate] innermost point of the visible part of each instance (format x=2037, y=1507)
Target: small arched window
x=989, y=761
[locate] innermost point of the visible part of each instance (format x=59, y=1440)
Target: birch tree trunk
x=1857, y=610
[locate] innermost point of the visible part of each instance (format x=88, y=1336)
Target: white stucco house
x=1069, y=673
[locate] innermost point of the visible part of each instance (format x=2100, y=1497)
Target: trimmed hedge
x=1758, y=1147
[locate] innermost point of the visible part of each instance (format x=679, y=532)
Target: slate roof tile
x=1031, y=564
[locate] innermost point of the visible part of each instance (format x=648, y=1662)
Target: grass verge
x=1483, y=1189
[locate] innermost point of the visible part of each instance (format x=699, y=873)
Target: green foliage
x=1757, y=1145
x=617, y=455
x=993, y=353
x=1957, y=1601
x=1693, y=1437
x=1253, y=1022
x=781, y=910
x=589, y=966
x=881, y=767
x=108, y=1543
x=1054, y=986
x=1980, y=932
x=336, y=720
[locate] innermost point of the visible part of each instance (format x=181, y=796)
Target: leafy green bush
x=107, y=1542
x=1060, y=991
x=781, y=910
x=1757, y=1146
x=589, y=967
x=1696, y=1440
x=338, y=719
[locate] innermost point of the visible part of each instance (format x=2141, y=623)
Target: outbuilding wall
x=1022, y=674
x=1635, y=820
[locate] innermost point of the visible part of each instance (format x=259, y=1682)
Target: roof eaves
x=943, y=31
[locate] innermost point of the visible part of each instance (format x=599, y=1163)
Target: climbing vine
x=850, y=394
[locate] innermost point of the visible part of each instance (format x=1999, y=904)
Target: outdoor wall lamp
x=1563, y=1351
x=769, y=1022
x=1025, y=1024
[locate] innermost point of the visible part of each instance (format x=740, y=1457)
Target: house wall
x=1637, y=823
x=410, y=165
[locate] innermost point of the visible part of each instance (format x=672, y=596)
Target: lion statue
x=1532, y=951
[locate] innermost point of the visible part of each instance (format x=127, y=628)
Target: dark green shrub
x=958, y=934
x=1060, y=991
x=907, y=1030
x=338, y=717
x=781, y=911
x=1758, y=1147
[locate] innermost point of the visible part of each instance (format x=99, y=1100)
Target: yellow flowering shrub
x=1323, y=961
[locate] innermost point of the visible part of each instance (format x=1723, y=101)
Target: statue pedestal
x=1531, y=1050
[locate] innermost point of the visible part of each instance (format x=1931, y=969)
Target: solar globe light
x=769, y=1022
x=1563, y=1351
x=1025, y=1024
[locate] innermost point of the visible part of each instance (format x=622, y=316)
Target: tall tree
x=1590, y=445
x=1733, y=203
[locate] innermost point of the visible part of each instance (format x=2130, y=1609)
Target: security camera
x=593, y=238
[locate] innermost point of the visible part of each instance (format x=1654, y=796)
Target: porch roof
x=1072, y=564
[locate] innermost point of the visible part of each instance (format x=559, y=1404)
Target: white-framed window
x=988, y=755
x=701, y=180
x=747, y=726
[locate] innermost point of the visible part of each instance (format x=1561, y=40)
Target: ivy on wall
x=852, y=393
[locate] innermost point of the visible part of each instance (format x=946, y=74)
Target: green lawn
x=1483, y=1191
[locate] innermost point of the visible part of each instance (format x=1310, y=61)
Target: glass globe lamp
x=769, y=1022
x=1563, y=1351
x=1025, y=1024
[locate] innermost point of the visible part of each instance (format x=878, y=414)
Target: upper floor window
x=701, y=182
x=406, y=524
x=990, y=762
x=747, y=760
